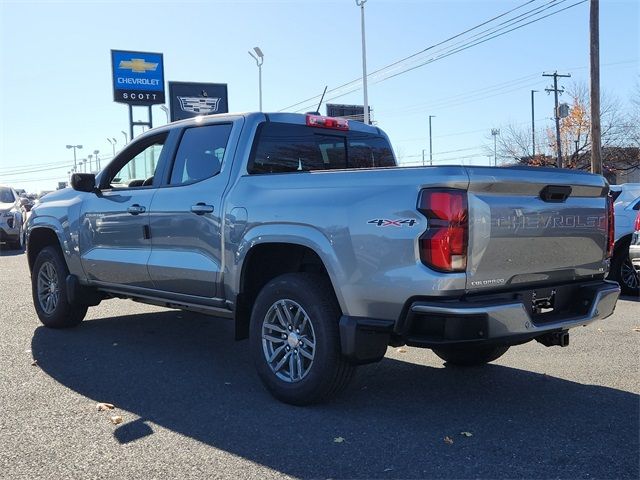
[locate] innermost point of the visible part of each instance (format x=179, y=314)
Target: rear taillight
x=327, y=122
x=610, y=227
x=443, y=246
x=636, y=224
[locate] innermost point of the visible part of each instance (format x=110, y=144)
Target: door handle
x=135, y=209
x=201, y=208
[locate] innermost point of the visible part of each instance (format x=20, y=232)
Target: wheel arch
x=39, y=238
x=269, y=258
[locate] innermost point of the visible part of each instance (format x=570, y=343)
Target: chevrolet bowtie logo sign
x=138, y=77
x=138, y=65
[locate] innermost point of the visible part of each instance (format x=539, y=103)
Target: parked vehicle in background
x=302, y=230
x=11, y=218
x=624, y=193
x=626, y=210
x=634, y=247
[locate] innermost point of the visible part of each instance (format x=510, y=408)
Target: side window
x=200, y=153
x=140, y=168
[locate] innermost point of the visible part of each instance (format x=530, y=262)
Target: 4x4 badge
x=383, y=222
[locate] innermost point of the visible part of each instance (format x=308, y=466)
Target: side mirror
x=83, y=182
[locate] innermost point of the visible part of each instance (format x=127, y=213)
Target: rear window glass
x=283, y=147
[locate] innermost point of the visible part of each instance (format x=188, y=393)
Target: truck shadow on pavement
x=183, y=372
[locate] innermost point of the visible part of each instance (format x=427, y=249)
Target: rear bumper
x=506, y=319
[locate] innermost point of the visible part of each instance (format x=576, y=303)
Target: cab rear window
x=283, y=148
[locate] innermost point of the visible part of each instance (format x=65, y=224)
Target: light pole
x=96, y=152
x=90, y=157
x=533, y=127
x=75, y=147
x=430, y=143
x=259, y=58
x=84, y=165
x=113, y=143
x=360, y=3
x=495, y=132
x=165, y=110
x=125, y=136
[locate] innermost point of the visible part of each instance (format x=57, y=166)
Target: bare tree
x=620, y=136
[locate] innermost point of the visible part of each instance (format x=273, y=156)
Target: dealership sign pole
x=138, y=80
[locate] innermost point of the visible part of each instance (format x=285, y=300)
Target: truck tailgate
x=522, y=229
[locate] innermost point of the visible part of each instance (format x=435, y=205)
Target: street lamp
x=259, y=58
x=125, y=136
x=90, y=157
x=360, y=3
x=165, y=110
x=113, y=142
x=75, y=147
x=96, y=152
x=495, y=132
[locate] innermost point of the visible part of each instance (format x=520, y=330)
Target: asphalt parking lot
x=192, y=406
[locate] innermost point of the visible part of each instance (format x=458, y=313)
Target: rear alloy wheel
x=470, y=355
x=49, y=290
x=622, y=270
x=295, y=339
x=629, y=278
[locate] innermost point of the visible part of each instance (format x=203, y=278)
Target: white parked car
x=626, y=205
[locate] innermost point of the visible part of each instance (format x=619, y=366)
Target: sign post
x=138, y=80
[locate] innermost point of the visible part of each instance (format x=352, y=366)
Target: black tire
x=51, y=265
x=622, y=270
x=18, y=244
x=470, y=355
x=329, y=372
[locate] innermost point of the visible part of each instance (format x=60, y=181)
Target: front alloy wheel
x=49, y=291
x=48, y=288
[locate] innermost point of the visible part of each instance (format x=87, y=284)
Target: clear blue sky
x=55, y=85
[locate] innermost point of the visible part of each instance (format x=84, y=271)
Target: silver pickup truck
x=304, y=232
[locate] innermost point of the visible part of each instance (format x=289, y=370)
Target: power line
x=412, y=55
x=447, y=51
x=48, y=164
x=458, y=50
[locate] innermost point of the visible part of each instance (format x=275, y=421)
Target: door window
x=200, y=153
x=138, y=167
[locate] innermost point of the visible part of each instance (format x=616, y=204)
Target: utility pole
x=495, y=132
x=555, y=90
x=423, y=157
x=533, y=127
x=360, y=3
x=594, y=33
x=430, y=142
